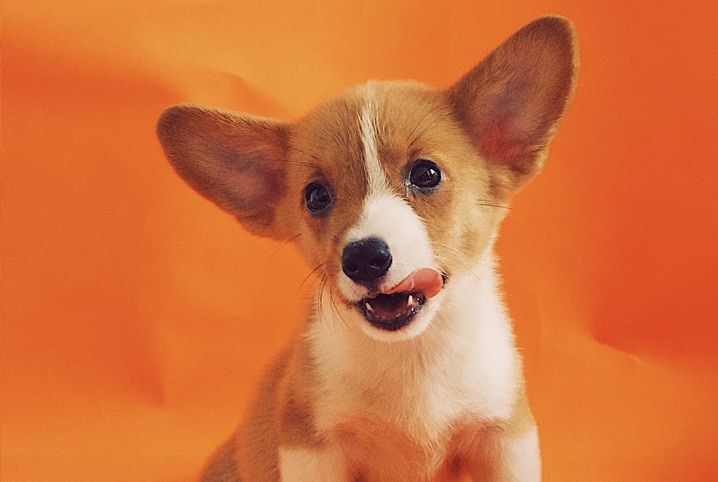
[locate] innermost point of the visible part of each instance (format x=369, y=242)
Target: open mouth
x=392, y=312
x=395, y=308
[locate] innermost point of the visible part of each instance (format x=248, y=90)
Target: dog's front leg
x=312, y=464
x=507, y=456
x=518, y=458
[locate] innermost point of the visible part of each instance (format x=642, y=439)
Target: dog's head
x=391, y=188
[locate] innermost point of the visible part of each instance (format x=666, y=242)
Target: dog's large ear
x=234, y=160
x=510, y=104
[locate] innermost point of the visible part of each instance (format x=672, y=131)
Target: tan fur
x=373, y=410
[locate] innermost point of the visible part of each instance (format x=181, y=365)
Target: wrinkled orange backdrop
x=136, y=317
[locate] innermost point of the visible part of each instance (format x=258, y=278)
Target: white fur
x=376, y=178
x=520, y=459
x=462, y=365
x=391, y=219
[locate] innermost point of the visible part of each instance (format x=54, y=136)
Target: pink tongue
x=426, y=280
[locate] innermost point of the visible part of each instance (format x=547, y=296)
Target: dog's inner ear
x=236, y=161
x=510, y=104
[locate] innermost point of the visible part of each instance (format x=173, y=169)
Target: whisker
x=277, y=248
x=312, y=156
x=310, y=165
x=312, y=274
x=322, y=283
x=464, y=260
x=336, y=308
x=492, y=205
x=414, y=136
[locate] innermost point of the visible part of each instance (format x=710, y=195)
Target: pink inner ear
x=513, y=100
x=496, y=143
x=236, y=161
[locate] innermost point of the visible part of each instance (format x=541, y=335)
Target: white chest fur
x=462, y=365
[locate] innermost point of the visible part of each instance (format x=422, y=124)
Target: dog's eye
x=425, y=174
x=318, y=199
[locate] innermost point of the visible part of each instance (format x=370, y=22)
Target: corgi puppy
x=405, y=368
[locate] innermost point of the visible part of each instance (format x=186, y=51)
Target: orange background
x=136, y=317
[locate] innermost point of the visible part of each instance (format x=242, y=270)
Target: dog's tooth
x=368, y=307
x=410, y=301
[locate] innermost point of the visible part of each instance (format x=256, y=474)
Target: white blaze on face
x=376, y=178
x=387, y=216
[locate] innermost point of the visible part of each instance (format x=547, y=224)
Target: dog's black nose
x=366, y=260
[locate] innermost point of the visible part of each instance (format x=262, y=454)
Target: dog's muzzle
x=366, y=262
